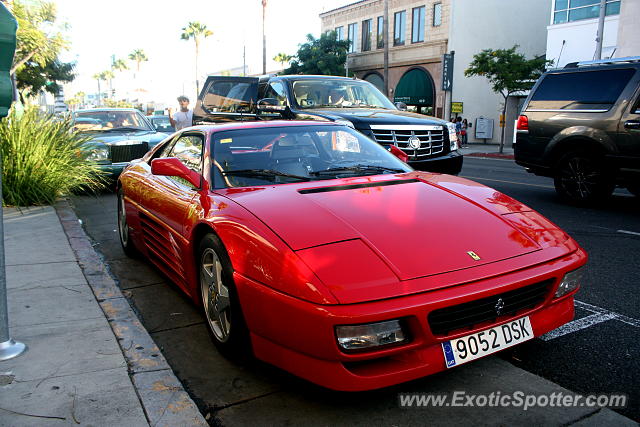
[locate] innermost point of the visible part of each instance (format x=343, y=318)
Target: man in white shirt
x=184, y=117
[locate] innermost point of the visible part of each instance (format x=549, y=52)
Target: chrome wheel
x=123, y=228
x=215, y=295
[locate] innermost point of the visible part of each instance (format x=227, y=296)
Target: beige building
x=417, y=39
x=421, y=32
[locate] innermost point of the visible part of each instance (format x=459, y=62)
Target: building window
x=366, y=35
x=576, y=10
x=353, y=32
x=417, y=25
x=380, y=34
x=399, y=25
x=340, y=33
x=437, y=14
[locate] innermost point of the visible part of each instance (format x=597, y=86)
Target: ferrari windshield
x=338, y=93
x=109, y=120
x=264, y=156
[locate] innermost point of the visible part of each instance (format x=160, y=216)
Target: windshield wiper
x=264, y=173
x=123, y=128
x=357, y=168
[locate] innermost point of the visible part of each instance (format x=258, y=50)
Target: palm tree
x=282, y=58
x=80, y=95
x=196, y=31
x=109, y=75
x=99, y=77
x=138, y=56
x=119, y=65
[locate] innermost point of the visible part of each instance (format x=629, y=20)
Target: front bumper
x=299, y=336
x=450, y=163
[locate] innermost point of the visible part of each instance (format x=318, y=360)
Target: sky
x=99, y=29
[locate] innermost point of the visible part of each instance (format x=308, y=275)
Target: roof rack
x=603, y=62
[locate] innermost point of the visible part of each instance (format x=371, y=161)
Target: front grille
x=126, y=153
x=432, y=139
x=444, y=320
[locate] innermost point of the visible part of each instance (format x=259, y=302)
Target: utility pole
x=244, y=60
x=264, y=38
x=385, y=37
x=599, y=37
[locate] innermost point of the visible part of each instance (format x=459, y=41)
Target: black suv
x=581, y=126
x=430, y=143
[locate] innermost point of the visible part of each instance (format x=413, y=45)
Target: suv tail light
x=523, y=123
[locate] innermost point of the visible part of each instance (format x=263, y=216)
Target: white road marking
x=629, y=232
x=577, y=325
x=599, y=315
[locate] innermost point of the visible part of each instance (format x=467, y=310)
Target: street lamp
x=264, y=39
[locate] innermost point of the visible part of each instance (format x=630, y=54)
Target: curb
x=163, y=398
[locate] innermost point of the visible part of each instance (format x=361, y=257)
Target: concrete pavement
x=76, y=369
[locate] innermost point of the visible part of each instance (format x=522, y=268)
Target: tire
x=581, y=178
x=220, y=303
x=124, y=231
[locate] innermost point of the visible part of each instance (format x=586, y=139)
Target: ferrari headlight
x=346, y=123
x=571, y=281
x=453, y=136
x=98, y=154
x=359, y=337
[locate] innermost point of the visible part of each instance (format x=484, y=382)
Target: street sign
x=447, y=71
x=456, y=107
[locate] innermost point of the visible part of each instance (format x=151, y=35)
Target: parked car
x=161, y=123
x=581, y=126
x=430, y=143
x=118, y=135
x=317, y=249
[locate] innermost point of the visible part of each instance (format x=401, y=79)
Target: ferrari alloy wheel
x=219, y=298
x=215, y=295
x=582, y=179
x=123, y=227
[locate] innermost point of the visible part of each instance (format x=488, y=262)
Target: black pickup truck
x=430, y=143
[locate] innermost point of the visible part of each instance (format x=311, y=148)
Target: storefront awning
x=415, y=88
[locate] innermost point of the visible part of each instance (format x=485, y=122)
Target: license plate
x=471, y=347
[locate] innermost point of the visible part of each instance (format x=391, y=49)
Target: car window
x=279, y=155
x=276, y=91
x=109, y=120
x=188, y=149
x=338, y=93
x=230, y=96
x=585, y=90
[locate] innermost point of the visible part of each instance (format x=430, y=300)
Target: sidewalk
x=488, y=150
x=76, y=370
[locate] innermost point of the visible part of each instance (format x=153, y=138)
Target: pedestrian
x=458, y=123
x=463, y=131
x=184, y=116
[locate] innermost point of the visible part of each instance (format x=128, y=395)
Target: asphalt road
x=599, y=353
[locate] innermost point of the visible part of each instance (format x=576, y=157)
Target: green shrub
x=42, y=159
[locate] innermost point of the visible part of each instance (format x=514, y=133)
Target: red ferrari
x=325, y=255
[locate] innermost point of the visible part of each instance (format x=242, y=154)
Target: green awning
x=415, y=88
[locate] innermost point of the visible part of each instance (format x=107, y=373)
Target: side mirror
x=171, y=166
x=401, y=106
x=269, y=105
x=399, y=153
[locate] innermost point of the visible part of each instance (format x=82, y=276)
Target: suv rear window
x=585, y=90
x=230, y=96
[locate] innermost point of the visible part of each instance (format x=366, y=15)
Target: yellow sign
x=456, y=107
x=502, y=120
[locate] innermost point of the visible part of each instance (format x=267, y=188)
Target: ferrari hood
x=416, y=228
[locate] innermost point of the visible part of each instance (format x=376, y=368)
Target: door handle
x=632, y=124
